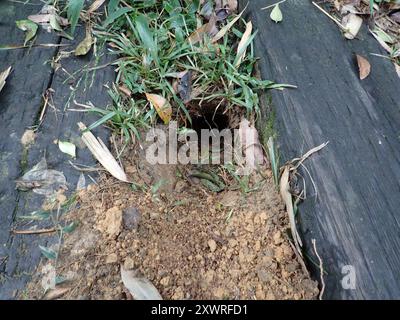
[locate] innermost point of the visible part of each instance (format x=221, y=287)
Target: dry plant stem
x=41, y=231
x=46, y=101
x=329, y=16
x=321, y=268
x=306, y=155
x=273, y=5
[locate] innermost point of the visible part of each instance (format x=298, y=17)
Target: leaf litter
x=380, y=16
x=42, y=180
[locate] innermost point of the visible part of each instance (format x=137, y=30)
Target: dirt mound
x=189, y=242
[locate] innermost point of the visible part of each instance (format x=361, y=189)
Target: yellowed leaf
x=244, y=42
x=161, y=105
x=364, y=67
x=84, y=46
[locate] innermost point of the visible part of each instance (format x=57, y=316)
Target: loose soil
x=189, y=242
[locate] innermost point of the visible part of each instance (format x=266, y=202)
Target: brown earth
x=189, y=242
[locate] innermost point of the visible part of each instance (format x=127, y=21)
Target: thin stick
x=41, y=231
x=330, y=16
x=321, y=268
x=46, y=101
x=306, y=155
x=273, y=5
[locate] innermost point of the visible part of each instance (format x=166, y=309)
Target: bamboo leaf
x=74, y=8
x=29, y=27
x=161, y=105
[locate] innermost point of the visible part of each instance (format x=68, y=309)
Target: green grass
x=150, y=41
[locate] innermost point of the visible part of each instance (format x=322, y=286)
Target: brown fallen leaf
x=3, y=77
x=210, y=29
x=125, y=90
x=364, y=67
x=161, y=105
x=102, y=154
x=84, y=46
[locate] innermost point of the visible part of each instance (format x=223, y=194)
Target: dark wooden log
x=355, y=216
x=21, y=103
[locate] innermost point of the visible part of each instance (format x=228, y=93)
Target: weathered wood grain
x=355, y=218
x=20, y=106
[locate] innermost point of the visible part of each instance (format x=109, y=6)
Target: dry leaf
x=209, y=29
x=226, y=28
x=139, y=287
x=364, y=67
x=3, y=77
x=28, y=137
x=102, y=154
x=125, y=90
x=84, y=46
x=95, y=5
x=352, y=23
x=287, y=199
x=161, y=105
x=56, y=293
x=40, y=18
x=244, y=43
x=184, y=87
x=44, y=19
x=42, y=180
x=81, y=184
x=232, y=5
x=250, y=142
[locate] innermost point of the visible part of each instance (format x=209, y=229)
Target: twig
x=273, y=5
x=321, y=268
x=330, y=16
x=306, y=155
x=41, y=231
x=42, y=45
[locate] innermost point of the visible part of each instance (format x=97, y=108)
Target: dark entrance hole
x=209, y=120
